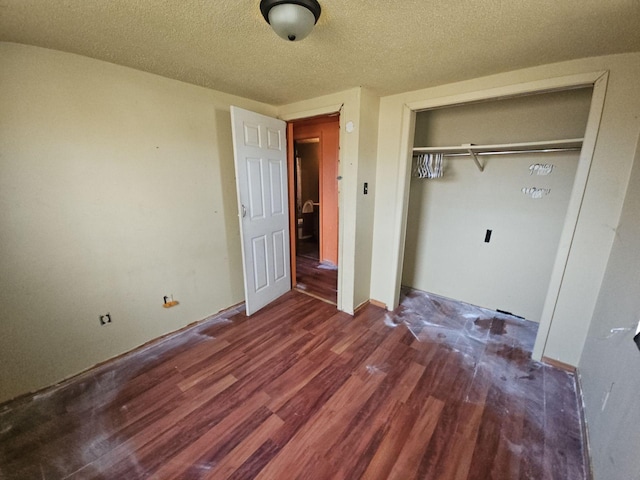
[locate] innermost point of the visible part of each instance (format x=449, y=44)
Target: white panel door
x=260, y=152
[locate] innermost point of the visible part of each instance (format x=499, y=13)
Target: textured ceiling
x=388, y=46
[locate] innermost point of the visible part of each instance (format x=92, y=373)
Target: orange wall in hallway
x=328, y=130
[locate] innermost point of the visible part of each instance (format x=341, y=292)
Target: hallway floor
x=317, y=279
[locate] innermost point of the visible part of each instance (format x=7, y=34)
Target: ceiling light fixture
x=292, y=20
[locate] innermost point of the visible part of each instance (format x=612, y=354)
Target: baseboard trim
x=104, y=364
x=377, y=303
x=361, y=306
x=558, y=364
x=584, y=428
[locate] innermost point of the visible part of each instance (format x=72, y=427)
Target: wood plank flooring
x=317, y=279
x=434, y=390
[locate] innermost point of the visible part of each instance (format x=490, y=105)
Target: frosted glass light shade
x=291, y=22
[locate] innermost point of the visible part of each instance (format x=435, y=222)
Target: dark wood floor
x=435, y=390
x=317, y=279
x=309, y=247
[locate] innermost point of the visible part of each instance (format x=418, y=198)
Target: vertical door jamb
x=293, y=226
x=321, y=197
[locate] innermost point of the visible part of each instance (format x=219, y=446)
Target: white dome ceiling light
x=292, y=20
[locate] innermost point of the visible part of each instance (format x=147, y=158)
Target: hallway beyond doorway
x=317, y=279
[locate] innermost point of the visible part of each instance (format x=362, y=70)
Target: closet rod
x=476, y=151
x=506, y=152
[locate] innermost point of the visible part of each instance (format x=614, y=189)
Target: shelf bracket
x=476, y=160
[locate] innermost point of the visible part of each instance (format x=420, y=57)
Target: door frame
x=293, y=247
x=597, y=81
x=346, y=104
x=293, y=227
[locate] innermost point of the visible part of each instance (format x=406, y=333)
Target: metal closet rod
x=508, y=152
x=471, y=152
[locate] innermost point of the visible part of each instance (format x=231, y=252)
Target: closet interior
x=488, y=198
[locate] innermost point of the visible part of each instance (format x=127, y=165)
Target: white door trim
x=344, y=302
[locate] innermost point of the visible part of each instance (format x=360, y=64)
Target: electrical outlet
x=169, y=301
x=105, y=319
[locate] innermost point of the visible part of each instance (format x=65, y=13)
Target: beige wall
x=445, y=252
x=367, y=155
x=610, y=363
x=116, y=188
x=600, y=208
x=547, y=116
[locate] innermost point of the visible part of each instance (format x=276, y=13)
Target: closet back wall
x=445, y=251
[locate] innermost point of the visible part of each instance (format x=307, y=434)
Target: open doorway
x=313, y=165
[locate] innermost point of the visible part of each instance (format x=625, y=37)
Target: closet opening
x=313, y=166
x=490, y=187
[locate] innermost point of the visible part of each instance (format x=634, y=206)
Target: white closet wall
x=445, y=251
